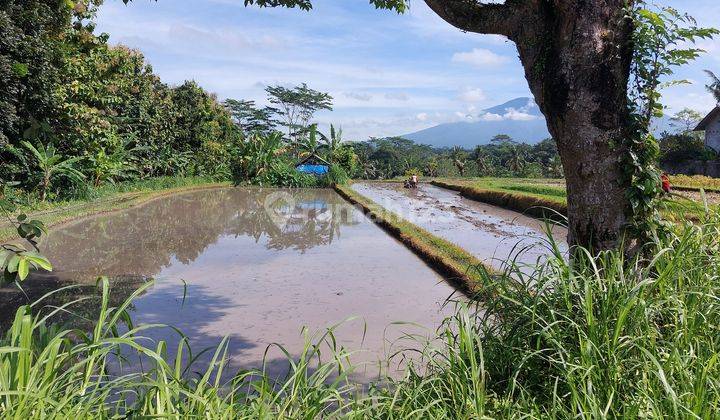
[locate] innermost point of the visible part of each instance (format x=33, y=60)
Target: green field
x=526, y=193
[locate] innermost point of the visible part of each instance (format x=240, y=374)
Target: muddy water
x=490, y=233
x=259, y=265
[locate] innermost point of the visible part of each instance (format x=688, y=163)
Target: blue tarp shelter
x=313, y=165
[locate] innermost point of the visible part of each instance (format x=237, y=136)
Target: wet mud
x=490, y=233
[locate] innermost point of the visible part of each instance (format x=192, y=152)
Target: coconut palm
x=483, y=161
x=714, y=86
x=52, y=166
x=459, y=159
x=432, y=167
x=516, y=163
x=555, y=167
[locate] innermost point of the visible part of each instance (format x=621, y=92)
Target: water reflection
x=143, y=240
x=257, y=266
x=298, y=220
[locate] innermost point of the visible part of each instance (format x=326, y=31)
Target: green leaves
x=52, y=165
x=664, y=39
x=16, y=262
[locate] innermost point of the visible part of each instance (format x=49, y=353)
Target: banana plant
x=311, y=145
x=258, y=154
x=333, y=143
x=52, y=166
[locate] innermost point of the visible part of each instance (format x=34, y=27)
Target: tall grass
x=602, y=337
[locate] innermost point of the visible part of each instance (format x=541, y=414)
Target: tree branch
x=484, y=18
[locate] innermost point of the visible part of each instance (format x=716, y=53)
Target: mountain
x=519, y=118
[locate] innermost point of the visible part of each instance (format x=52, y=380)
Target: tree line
x=78, y=109
x=77, y=112
x=381, y=158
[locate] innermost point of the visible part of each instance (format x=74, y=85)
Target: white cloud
x=516, y=115
x=365, y=97
x=480, y=57
x=488, y=116
x=397, y=96
x=462, y=115
x=472, y=95
x=422, y=116
x=512, y=114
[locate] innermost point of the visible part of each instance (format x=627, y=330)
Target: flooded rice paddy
x=259, y=265
x=490, y=233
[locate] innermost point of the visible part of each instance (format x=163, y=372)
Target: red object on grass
x=665, y=183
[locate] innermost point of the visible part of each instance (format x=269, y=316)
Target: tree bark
x=576, y=55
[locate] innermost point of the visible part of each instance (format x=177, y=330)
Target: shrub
x=336, y=176
x=283, y=174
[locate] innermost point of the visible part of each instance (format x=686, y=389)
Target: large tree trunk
x=577, y=56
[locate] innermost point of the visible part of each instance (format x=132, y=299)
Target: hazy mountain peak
x=519, y=118
x=524, y=105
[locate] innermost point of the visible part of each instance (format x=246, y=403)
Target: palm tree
x=432, y=167
x=52, y=165
x=555, y=167
x=482, y=161
x=459, y=159
x=516, y=163
x=714, y=86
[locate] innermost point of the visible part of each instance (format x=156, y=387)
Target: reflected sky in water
x=258, y=265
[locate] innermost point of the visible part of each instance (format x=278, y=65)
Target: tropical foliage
x=76, y=109
x=392, y=157
x=714, y=86
x=77, y=113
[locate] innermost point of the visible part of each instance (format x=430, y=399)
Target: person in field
x=666, y=187
x=412, y=182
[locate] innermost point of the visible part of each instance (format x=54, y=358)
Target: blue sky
x=389, y=74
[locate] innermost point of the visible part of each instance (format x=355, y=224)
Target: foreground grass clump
x=605, y=337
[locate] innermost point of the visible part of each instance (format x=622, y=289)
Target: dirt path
x=490, y=233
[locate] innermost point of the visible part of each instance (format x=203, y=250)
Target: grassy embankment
x=454, y=262
x=106, y=199
x=547, y=197
x=530, y=197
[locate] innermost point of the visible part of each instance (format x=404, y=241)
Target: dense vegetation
x=80, y=113
x=502, y=157
x=77, y=113
x=607, y=335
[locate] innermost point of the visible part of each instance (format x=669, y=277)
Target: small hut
x=711, y=126
x=313, y=165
